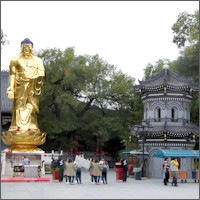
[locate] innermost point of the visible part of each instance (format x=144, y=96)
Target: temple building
x=6, y=106
x=166, y=97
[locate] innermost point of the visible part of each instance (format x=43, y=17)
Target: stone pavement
x=132, y=189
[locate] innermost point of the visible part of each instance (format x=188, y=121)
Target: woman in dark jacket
x=61, y=166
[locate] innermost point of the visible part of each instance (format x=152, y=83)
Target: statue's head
x=26, y=47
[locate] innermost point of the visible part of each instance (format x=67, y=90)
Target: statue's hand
x=10, y=93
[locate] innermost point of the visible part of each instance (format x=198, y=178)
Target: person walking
x=76, y=167
x=97, y=172
x=26, y=161
x=174, y=166
x=104, y=173
x=91, y=169
x=66, y=161
x=125, y=168
x=61, y=167
x=102, y=166
x=78, y=174
x=166, y=167
x=70, y=171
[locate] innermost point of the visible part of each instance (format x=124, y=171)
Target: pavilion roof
x=167, y=78
x=6, y=104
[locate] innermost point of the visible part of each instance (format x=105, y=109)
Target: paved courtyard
x=132, y=189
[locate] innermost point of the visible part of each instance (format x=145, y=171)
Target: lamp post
x=142, y=131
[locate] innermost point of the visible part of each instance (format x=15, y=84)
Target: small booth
x=182, y=174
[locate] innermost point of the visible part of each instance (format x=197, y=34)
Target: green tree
x=84, y=97
x=187, y=64
x=186, y=29
x=113, y=146
x=136, y=111
x=4, y=40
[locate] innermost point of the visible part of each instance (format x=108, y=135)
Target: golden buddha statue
x=25, y=81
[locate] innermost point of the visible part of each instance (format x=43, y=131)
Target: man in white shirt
x=26, y=161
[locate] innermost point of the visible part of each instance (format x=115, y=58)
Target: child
x=104, y=173
x=78, y=174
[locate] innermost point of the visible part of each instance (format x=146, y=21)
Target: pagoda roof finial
x=165, y=66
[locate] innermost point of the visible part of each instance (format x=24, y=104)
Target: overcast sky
x=127, y=34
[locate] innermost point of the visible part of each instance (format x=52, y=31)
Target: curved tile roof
x=6, y=104
x=166, y=76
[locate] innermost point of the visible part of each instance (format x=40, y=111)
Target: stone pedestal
x=30, y=171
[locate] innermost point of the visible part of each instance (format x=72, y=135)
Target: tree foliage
x=186, y=29
x=84, y=97
x=113, y=146
x=3, y=38
x=187, y=64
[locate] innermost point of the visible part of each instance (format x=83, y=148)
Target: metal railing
x=179, y=120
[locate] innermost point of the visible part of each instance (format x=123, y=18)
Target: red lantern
x=101, y=151
x=70, y=151
x=96, y=150
x=76, y=147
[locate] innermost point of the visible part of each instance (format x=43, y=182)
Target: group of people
x=174, y=168
x=72, y=171
x=98, y=171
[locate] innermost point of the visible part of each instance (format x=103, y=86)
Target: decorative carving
x=175, y=104
x=157, y=104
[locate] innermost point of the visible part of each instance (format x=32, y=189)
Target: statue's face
x=26, y=49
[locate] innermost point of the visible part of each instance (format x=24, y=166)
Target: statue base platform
x=22, y=148
x=25, y=141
